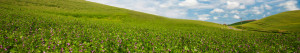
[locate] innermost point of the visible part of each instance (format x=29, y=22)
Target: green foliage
x=240, y=23
x=79, y=26
x=287, y=22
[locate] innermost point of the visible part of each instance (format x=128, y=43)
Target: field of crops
x=286, y=22
x=36, y=26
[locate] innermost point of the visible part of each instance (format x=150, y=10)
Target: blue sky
x=217, y=11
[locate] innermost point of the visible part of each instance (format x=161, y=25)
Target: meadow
x=54, y=26
x=285, y=22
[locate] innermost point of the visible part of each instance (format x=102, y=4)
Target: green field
x=287, y=22
x=54, y=26
x=240, y=23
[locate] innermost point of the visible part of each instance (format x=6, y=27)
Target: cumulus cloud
x=217, y=10
x=290, y=5
x=162, y=8
x=257, y=10
x=206, y=9
x=189, y=3
x=236, y=17
x=216, y=18
x=268, y=7
x=203, y=17
x=234, y=5
x=195, y=4
x=235, y=11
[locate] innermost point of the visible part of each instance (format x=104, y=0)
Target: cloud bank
x=218, y=11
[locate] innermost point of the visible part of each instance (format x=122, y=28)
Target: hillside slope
x=282, y=22
x=54, y=26
x=241, y=22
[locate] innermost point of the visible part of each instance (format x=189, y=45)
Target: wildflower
x=1, y=46
x=5, y=49
x=169, y=50
x=53, y=47
x=62, y=49
x=142, y=47
x=68, y=44
x=70, y=48
x=153, y=49
x=103, y=50
x=16, y=40
x=120, y=41
x=93, y=51
x=80, y=50
x=48, y=47
x=22, y=38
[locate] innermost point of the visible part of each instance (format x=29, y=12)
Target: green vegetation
x=80, y=26
x=286, y=22
x=241, y=22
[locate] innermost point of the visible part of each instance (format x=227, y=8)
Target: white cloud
x=236, y=17
x=189, y=3
x=290, y=5
x=149, y=6
x=242, y=6
x=268, y=7
x=264, y=16
x=235, y=11
x=244, y=2
x=275, y=1
x=204, y=0
x=216, y=18
x=234, y=5
x=226, y=15
x=257, y=10
x=259, y=0
x=203, y=17
x=217, y=10
x=167, y=4
x=195, y=4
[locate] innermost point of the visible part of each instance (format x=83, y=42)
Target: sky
x=217, y=11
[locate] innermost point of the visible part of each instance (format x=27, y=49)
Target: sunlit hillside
x=282, y=22
x=54, y=26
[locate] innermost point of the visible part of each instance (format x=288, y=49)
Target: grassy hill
x=241, y=22
x=80, y=26
x=282, y=22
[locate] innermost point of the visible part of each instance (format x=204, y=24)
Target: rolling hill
x=241, y=22
x=282, y=22
x=54, y=26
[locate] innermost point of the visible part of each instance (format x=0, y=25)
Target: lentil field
x=73, y=26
